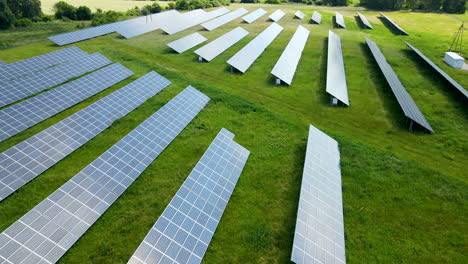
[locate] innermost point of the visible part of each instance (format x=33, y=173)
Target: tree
x=63, y=9
x=454, y=6
x=249, y=1
x=182, y=5
x=7, y=18
x=25, y=8
x=337, y=2
x=83, y=13
x=155, y=8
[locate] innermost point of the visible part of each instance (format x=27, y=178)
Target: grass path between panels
x=404, y=194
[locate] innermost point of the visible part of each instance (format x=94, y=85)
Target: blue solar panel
x=25, y=114
x=55, y=224
x=21, y=88
x=184, y=230
x=28, y=159
x=28, y=66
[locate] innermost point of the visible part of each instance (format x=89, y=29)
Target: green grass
x=404, y=193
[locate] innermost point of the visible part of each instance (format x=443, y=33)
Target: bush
x=25, y=8
x=63, y=9
x=272, y=2
x=7, y=19
x=101, y=18
x=249, y=1
x=171, y=5
x=83, y=13
x=23, y=22
x=133, y=12
x=146, y=10
x=155, y=8
x=47, y=18
x=182, y=5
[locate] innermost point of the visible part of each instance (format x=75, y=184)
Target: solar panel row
x=340, y=20
x=192, y=18
x=2, y=63
x=83, y=34
x=319, y=233
x=299, y=14
x=44, y=234
x=28, y=159
x=364, y=21
x=336, y=76
x=37, y=63
x=250, y=18
x=316, y=17
x=277, y=15
x=219, y=45
x=184, y=230
x=243, y=59
x=21, y=88
x=285, y=67
x=187, y=42
x=395, y=25
x=222, y=20
x=440, y=71
x=407, y=104
x=25, y=114
x=146, y=24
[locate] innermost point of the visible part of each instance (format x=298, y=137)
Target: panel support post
x=334, y=101
x=200, y=59
x=232, y=69
x=278, y=81
x=411, y=126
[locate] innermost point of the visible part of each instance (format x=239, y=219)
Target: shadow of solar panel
x=299, y=14
x=254, y=15
x=56, y=223
x=25, y=114
x=394, y=25
x=221, y=44
x=224, y=19
x=184, y=230
x=364, y=21
x=183, y=44
x=340, y=20
x=407, y=104
x=43, y=150
x=277, y=15
x=336, y=76
x=285, y=67
x=243, y=59
x=191, y=19
x=37, y=63
x=316, y=17
x=440, y=71
x=319, y=233
x=21, y=88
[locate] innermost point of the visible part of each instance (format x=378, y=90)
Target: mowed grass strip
x=404, y=194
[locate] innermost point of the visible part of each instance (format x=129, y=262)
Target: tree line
x=448, y=6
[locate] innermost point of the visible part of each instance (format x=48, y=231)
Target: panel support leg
x=278, y=81
x=200, y=59
x=411, y=126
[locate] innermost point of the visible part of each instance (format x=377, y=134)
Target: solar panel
x=147, y=24
x=395, y=25
x=28, y=66
x=299, y=14
x=28, y=159
x=222, y=20
x=340, y=20
x=25, y=114
x=336, y=76
x=364, y=21
x=285, y=67
x=191, y=19
x=21, y=88
x=55, y=224
x=316, y=17
x=2, y=63
x=319, y=233
x=187, y=42
x=277, y=15
x=219, y=45
x=407, y=104
x=184, y=230
x=440, y=71
x=243, y=59
x=250, y=18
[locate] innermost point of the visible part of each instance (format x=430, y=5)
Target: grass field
x=404, y=194
x=116, y=5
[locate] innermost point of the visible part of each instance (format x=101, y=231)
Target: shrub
x=133, y=12
x=47, y=18
x=249, y=1
x=23, y=22
x=63, y=9
x=182, y=5
x=276, y=2
x=146, y=10
x=7, y=19
x=171, y=5
x=101, y=18
x=155, y=8
x=83, y=13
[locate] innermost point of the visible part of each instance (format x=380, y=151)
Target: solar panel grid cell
x=183, y=44
x=18, y=89
x=184, y=230
x=250, y=18
x=49, y=146
x=221, y=44
x=319, y=233
x=56, y=223
x=25, y=114
x=277, y=15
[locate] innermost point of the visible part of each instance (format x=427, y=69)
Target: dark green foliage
x=449, y=6
x=47, y=18
x=25, y=8
x=336, y=2
x=182, y=5
x=170, y=6
x=63, y=9
x=133, y=12
x=249, y=1
x=155, y=8
x=275, y=2
x=195, y=4
x=101, y=18
x=7, y=19
x=83, y=13
x=454, y=6
x=23, y=22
